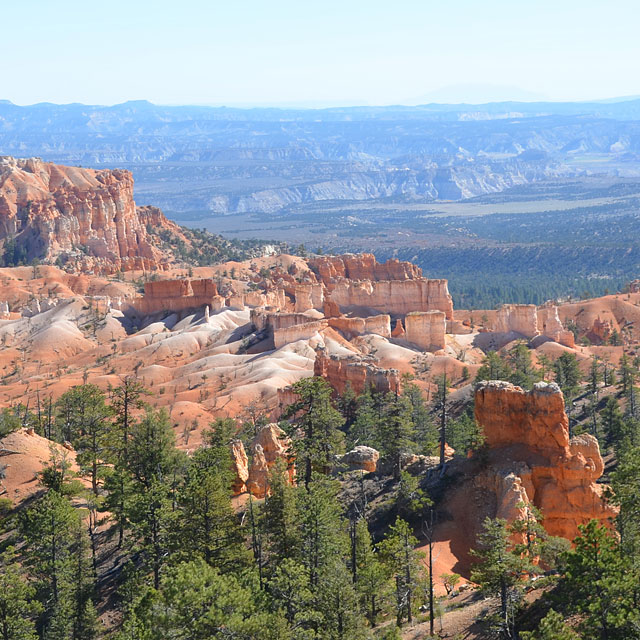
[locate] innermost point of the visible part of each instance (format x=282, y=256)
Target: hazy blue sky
x=304, y=51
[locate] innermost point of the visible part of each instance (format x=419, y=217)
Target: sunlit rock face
x=85, y=214
x=527, y=433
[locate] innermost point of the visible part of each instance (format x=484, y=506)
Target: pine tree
x=443, y=390
x=552, y=627
x=18, y=605
x=195, y=602
x=426, y=432
x=398, y=553
x=500, y=570
x=365, y=425
x=338, y=604
x=567, y=375
x=371, y=577
x=280, y=518
x=323, y=535
x=347, y=405
x=85, y=618
x=91, y=425
x=598, y=583
x=316, y=434
x=396, y=431
x=207, y=519
x=289, y=587
x=493, y=368
x=523, y=373
x=125, y=401
x=612, y=422
x=56, y=553
x=151, y=463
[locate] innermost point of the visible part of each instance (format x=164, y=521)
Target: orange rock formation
x=397, y=297
x=240, y=467
x=362, y=267
x=270, y=445
x=426, y=329
x=339, y=371
x=528, y=437
x=351, y=327
x=84, y=214
x=521, y=318
x=551, y=326
x=179, y=295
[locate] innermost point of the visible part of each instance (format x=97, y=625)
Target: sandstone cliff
x=179, y=295
x=397, y=297
x=81, y=214
x=534, y=460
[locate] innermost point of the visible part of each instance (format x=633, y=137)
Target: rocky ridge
x=50, y=211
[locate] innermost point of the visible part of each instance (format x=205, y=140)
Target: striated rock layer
x=82, y=214
x=534, y=460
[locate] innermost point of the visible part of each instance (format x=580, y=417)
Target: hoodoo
x=527, y=433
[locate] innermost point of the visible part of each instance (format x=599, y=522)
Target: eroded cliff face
x=397, y=297
x=339, y=371
x=521, y=318
x=426, y=329
x=83, y=214
x=534, y=460
x=179, y=295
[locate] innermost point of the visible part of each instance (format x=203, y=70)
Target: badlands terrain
x=102, y=298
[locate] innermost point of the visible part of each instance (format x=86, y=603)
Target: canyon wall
x=293, y=333
x=351, y=327
x=308, y=296
x=82, y=214
x=534, y=460
x=550, y=325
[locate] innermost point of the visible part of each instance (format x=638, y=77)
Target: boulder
x=362, y=458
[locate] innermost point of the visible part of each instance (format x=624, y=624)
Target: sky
x=305, y=52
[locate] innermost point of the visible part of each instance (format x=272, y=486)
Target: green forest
x=151, y=546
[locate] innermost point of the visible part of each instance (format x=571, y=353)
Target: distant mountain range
x=194, y=161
